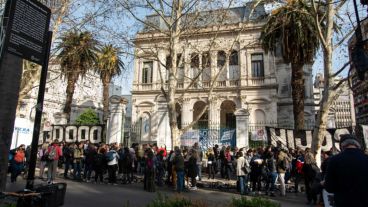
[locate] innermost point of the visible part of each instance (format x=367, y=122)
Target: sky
x=119, y=27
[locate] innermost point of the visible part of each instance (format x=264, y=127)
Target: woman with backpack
x=17, y=163
x=53, y=154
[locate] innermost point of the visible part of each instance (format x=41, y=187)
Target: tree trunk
x=10, y=76
x=30, y=75
x=327, y=97
x=106, y=83
x=72, y=80
x=298, y=91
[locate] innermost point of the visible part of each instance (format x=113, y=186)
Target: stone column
x=163, y=127
x=186, y=113
x=242, y=134
x=115, y=127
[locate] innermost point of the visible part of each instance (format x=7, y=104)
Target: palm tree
x=77, y=55
x=109, y=65
x=292, y=27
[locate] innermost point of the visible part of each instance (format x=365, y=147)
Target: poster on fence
x=228, y=137
x=259, y=135
x=189, y=138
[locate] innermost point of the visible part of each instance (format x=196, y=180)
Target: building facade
x=359, y=87
x=341, y=113
x=252, y=82
x=87, y=94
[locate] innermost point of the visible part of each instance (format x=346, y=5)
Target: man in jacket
x=242, y=171
x=346, y=175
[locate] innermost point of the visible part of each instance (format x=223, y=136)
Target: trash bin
x=48, y=195
x=61, y=193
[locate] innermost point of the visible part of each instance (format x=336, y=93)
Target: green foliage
x=88, y=117
x=164, y=201
x=254, y=202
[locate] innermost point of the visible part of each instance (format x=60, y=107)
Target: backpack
x=99, y=160
x=19, y=157
x=110, y=156
x=51, y=155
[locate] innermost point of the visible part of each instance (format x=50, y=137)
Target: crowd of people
x=265, y=170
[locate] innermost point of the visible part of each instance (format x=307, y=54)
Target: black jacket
x=347, y=178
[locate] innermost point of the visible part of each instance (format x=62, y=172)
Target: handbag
x=246, y=169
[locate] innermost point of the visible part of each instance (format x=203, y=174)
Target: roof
x=213, y=17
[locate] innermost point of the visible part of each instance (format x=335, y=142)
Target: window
x=234, y=60
x=257, y=65
x=194, y=64
x=147, y=72
x=234, y=66
x=206, y=65
x=221, y=60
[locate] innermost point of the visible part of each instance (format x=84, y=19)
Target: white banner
x=259, y=135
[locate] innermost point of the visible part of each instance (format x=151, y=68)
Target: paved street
x=103, y=195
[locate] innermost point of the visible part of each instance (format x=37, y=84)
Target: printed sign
x=259, y=135
x=288, y=138
x=27, y=28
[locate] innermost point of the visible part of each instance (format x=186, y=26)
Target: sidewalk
x=97, y=195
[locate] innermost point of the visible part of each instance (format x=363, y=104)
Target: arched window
x=259, y=116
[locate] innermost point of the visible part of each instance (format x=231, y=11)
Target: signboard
x=22, y=134
x=26, y=32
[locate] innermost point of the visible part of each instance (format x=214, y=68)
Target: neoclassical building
x=253, y=84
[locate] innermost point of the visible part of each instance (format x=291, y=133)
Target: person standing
x=211, y=164
x=283, y=162
x=242, y=171
x=310, y=171
x=77, y=161
x=192, y=169
x=43, y=159
x=199, y=160
x=178, y=164
x=68, y=156
x=17, y=163
x=112, y=164
x=150, y=172
x=53, y=154
x=346, y=174
x=271, y=173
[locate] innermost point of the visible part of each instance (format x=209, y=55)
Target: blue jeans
x=243, y=182
x=272, y=177
x=180, y=181
x=77, y=170
x=199, y=171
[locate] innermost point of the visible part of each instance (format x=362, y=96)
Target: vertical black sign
x=26, y=32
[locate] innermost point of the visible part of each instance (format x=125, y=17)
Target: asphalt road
x=132, y=195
